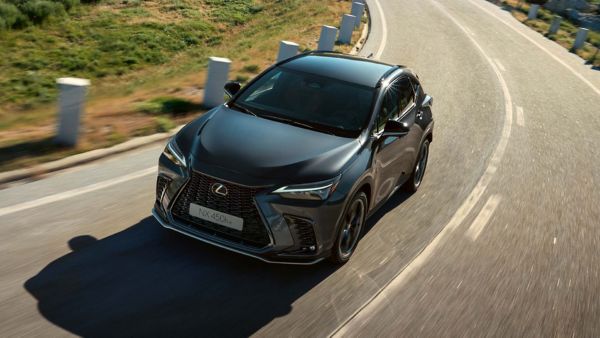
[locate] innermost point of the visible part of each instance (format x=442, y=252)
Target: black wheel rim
x=421, y=164
x=353, y=221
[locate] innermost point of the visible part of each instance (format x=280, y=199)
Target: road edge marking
x=499, y=64
x=520, y=117
x=75, y=192
x=363, y=312
x=556, y=58
x=384, y=32
x=483, y=217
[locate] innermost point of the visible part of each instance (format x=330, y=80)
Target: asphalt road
x=501, y=240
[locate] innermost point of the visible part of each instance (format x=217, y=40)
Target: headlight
x=173, y=153
x=313, y=191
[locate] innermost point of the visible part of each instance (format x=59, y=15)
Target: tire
x=350, y=229
x=416, y=177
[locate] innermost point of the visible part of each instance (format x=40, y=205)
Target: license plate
x=217, y=217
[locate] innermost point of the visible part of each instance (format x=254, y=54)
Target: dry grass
x=565, y=35
x=112, y=112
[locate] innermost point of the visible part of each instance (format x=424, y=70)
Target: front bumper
x=265, y=258
x=286, y=243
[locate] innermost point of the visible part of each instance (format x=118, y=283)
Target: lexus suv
x=291, y=166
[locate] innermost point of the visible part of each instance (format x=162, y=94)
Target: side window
x=390, y=107
x=407, y=94
x=417, y=87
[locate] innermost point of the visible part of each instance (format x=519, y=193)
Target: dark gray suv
x=289, y=169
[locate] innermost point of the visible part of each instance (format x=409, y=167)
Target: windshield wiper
x=296, y=123
x=242, y=109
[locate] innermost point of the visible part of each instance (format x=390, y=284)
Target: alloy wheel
x=421, y=164
x=353, y=222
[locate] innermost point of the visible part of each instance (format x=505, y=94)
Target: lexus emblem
x=219, y=189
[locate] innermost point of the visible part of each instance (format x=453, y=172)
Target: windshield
x=309, y=100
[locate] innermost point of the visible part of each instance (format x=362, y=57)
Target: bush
x=68, y=4
x=11, y=16
x=251, y=69
x=164, y=124
x=167, y=105
x=20, y=13
x=39, y=10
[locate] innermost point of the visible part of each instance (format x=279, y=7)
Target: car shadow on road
x=147, y=281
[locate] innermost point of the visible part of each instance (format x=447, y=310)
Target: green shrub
x=241, y=78
x=11, y=16
x=250, y=69
x=68, y=4
x=234, y=12
x=38, y=11
x=164, y=124
x=167, y=105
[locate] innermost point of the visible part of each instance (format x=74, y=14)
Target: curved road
x=502, y=239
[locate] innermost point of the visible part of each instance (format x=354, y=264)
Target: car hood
x=263, y=148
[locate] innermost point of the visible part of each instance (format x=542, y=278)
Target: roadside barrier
x=218, y=68
x=580, y=38
x=346, y=28
x=287, y=49
x=218, y=73
x=71, y=102
x=358, y=8
x=73, y=90
x=555, y=25
x=533, y=12
x=327, y=38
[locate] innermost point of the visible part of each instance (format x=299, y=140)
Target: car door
x=386, y=148
x=409, y=114
x=394, y=156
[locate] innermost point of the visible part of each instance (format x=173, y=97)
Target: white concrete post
x=555, y=25
x=533, y=11
x=287, y=49
x=358, y=9
x=580, y=38
x=346, y=28
x=218, y=73
x=327, y=38
x=71, y=101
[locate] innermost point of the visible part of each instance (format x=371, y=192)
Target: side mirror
x=232, y=88
x=427, y=102
x=395, y=128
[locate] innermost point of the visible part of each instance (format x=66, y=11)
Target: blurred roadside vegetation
x=146, y=60
x=51, y=39
x=565, y=35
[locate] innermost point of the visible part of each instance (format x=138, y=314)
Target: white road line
x=483, y=217
x=470, y=32
x=520, y=117
x=557, y=59
x=384, y=32
x=499, y=64
x=75, y=192
x=364, y=313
